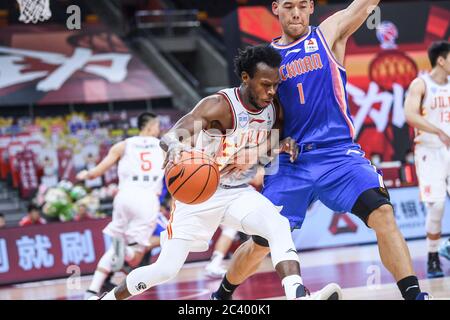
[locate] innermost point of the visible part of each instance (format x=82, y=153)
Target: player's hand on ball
x=174, y=153
x=444, y=138
x=290, y=146
x=82, y=175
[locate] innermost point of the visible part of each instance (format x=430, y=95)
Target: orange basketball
x=194, y=179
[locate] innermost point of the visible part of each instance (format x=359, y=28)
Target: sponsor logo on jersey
x=257, y=120
x=243, y=119
x=293, y=51
x=311, y=45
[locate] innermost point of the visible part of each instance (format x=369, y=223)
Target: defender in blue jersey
x=330, y=167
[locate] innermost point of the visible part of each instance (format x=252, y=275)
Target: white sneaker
x=331, y=291
x=215, y=271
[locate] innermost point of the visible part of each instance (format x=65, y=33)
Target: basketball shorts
x=227, y=207
x=433, y=172
x=335, y=175
x=135, y=211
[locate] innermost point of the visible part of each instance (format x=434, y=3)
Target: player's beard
x=252, y=101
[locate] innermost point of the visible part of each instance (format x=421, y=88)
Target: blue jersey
x=312, y=92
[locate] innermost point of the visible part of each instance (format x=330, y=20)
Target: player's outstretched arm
x=413, y=115
x=211, y=112
x=114, y=154
x=341, y=25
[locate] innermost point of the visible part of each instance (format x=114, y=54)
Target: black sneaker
x=214, y=296
x=434, y=266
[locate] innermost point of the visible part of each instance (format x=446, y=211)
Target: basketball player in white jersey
x=427, y=109
x=136, y=205
x=220, y=125
x=214, y=268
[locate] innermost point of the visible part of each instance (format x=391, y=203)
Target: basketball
x=194, y=179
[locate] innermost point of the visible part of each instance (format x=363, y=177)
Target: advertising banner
x=325, y=228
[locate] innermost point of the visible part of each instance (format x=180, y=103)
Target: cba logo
x=391, y=66
x=141, y=286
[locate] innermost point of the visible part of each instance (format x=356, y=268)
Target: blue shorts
x=335, y=175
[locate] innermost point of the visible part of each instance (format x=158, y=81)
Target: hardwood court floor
x=358, y=270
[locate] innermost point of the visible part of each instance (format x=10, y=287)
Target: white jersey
x=141, y=164
x=249, y=129
x=436, y=109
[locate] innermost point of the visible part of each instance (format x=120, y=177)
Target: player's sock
x=433, y=245
x=97, y=281
x=291, y=284
x=409, y=287
x=226, y=290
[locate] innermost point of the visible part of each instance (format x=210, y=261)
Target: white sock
x=217, y=258
x=290, y=285
x=97, y=281
x=433, y=245
x=110, y=295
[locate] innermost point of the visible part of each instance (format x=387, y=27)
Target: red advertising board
x=46, y=251
x=52, y=250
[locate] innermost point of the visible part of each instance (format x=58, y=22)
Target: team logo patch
x=311, y=45
x=243, y=119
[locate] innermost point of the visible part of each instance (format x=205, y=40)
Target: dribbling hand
x=174, y=153
x=290, y=146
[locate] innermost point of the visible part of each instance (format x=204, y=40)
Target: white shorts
x=227, y=207
x=134, y=217
x=433, y=172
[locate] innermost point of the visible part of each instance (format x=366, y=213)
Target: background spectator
x=82, y=213
x=33, y=217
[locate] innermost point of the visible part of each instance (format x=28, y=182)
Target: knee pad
x=435, y=211
x=369, y=201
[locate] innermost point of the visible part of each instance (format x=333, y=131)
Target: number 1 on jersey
x=300, y=93
x=146, y=163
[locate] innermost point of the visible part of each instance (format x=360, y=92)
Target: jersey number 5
x=300, y=93
x=146, y=163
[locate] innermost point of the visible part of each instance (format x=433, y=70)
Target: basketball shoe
x=434, y=266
